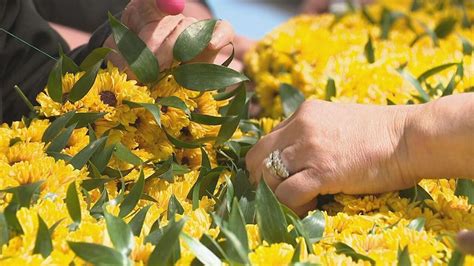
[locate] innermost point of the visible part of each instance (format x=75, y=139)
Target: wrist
x=439, y=139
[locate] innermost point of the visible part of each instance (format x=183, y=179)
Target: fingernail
x=171, y=7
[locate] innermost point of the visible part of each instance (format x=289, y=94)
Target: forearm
x=440, y=138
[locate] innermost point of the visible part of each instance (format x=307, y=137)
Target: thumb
x=172, y=7
x=139, y=13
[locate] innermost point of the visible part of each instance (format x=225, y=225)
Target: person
x=329, y=148
x=28, y=68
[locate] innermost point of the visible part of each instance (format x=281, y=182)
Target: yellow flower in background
x=275, y=254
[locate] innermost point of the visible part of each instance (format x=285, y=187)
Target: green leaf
x=296, y=255
x=430, y=72
x=84, y=84
x=43, y=243
x=140, y=59
x=96, y=56
x=81, y=158
x=150, y=107
x=387, y=20
x=369, y=51
x=417, y=224
x=342, y=248
x=423, y=95
x=60, y=141
x=467, y=47
x=202, y=253
x=84, y=119
x=229, y=60
x=445, y=27
x=25, y=99
x=137, y=221
x=314, y=225
x=465, y=187
x=270, y=218
x=4, y=232
x=102, y=158
x=416, y=193
x=93, y=183
x=182, y=144
x=24, y=193
x=72, y=203
x=452, y=82
x=193, y=40
x=174, y=207
x=97, y=210
x=98, y=254
x=368, y=16
x=167, y=244
x=124, y=154
x=291, y=99
x=133, y=197
x=403, y=257
x=206, y=77
x=457, y=258
x=298, y=227
x=330, y=89
x=55, y=82
x=56, y=126
x=232, y=240
x=120, y=233
x=236, y=108
x=175, y=102
x=69, y=66
x=236, y=225
x=210, y=120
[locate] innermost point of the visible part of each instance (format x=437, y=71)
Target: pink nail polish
x=171, y=7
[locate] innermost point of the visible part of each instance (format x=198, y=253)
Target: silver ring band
x=276, y=166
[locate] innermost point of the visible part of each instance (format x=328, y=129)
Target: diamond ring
x=276, y=166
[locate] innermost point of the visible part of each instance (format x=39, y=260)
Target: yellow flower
x=275, y=254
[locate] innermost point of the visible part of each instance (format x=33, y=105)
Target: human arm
x=332, y=148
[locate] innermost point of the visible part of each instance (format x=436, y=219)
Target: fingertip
x=171, y=7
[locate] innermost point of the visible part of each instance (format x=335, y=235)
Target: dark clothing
x=28, y=19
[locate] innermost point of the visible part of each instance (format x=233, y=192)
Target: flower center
x=185, y=161
x=164, y=108
x=185, y=131
x=108, y=97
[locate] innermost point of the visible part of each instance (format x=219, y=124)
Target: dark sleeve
x=23, y=65
x=85, y=15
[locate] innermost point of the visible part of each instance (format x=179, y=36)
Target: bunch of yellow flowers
x=150, y=170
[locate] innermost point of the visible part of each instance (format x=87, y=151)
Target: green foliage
x=417, y=224
x=72, y=203
x=167, y=244
x=43, y=243
x=342, y=248
x=291, y=99
x=120, y=233
x=206, y=77
x=132, y=198
x=193, y=40
x=465, y=187
x=369, y=50
x=270, y=218
x=141, y=60
x=403, y=257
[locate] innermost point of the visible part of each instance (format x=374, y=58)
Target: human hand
x=465, y=240
x=159, y=31
x=331, y=148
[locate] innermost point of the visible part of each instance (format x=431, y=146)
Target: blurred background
x=250, y=18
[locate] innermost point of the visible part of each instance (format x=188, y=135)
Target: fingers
x=303, y=210
x=165, y=51
x=139, y=13
x=465, y=241
x=172, y=7
x=223, y=35
x=260, y=151
x=299, y=189
x=291, y=157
